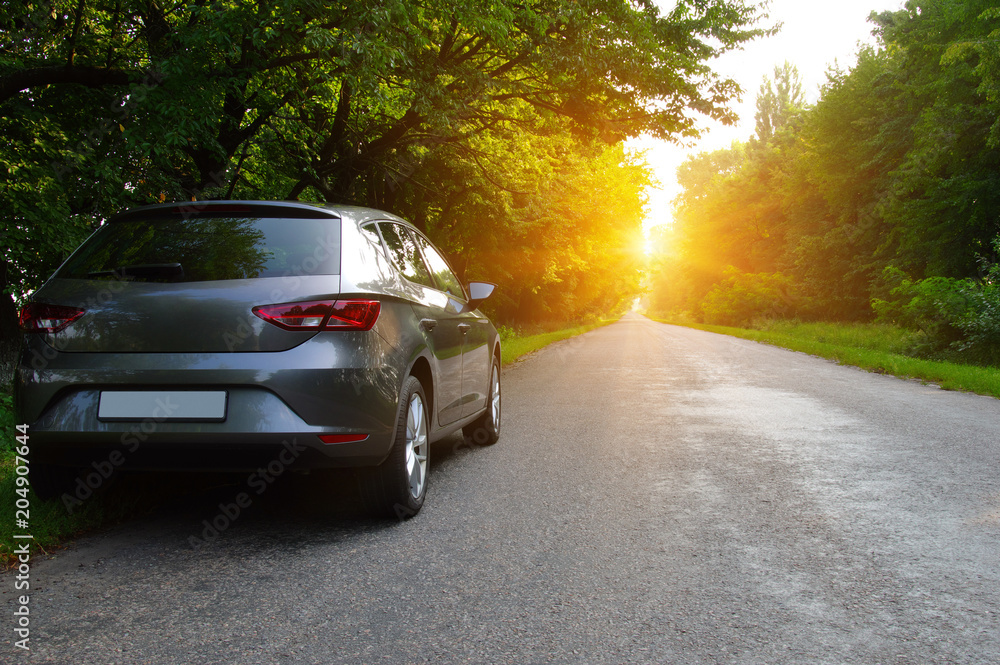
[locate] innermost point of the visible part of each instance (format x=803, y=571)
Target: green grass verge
x=52, y=526
x=514, y=345
x=49, y=523
x=876, y=348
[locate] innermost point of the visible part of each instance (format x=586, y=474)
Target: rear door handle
x=464, y=328
x=428, y=324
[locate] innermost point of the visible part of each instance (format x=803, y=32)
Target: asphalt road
x=658, y=495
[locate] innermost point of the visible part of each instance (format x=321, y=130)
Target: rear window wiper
x=168, y=271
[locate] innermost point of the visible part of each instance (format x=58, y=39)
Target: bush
x=7, y=431
x=743, y=297
x=959, y=319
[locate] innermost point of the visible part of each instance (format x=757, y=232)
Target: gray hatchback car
x=253, y=335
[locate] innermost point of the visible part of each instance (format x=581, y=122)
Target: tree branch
x=36, y=77
x=76, y=33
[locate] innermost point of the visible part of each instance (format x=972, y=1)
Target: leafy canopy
x=412, y=106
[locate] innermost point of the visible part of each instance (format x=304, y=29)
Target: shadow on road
x=205, y=509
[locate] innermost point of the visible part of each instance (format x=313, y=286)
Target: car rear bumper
x=277, y=404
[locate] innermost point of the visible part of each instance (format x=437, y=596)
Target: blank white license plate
x=162, y=405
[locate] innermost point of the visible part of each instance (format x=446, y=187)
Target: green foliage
x=944, y=203
x=557, y=230
x=957, y=318
x=743, y=297
x=486, y=122
x=779, y=100
x=896, y=166
x=7, y=432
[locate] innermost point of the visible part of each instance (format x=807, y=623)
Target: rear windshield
x=207, y=249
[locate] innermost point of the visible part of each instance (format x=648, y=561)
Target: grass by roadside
x=52, y=526
x=873, y=347
x=514, y=345
x=48, y=522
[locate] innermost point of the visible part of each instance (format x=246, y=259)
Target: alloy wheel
x=416, y=446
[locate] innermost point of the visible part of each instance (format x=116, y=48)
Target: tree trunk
x=10, y=335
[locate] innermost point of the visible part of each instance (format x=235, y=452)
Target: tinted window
x=445, y=278
x=404, y=254
x=205, y=249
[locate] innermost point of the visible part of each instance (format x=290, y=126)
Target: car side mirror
x=478, y=292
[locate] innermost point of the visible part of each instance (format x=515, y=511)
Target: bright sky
x=814, y=35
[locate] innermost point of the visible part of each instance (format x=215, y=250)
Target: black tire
x=51, y=482
x=398, y=486
x=485, y=430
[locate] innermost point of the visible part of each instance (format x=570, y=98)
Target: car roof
x=356, y=214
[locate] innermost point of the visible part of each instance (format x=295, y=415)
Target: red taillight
x=295, y=316
x=39, y=317
x=353, y=315
x=322, y=314
x=341, y=438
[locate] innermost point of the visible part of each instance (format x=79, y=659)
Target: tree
x=113, y=103
x=849, y=144
x=897, y=165
x=779, y=100
x=945, y=200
